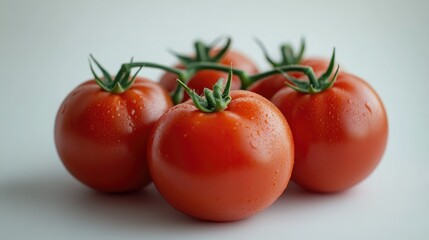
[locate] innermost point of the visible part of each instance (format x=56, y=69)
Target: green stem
x=222, y=51
x=246, y=80
x=117, y=88
x=244, y=77
x=290, y=68
x=179, y=72
x=288, y=54
x=183, y=75
x=201, y=51
x=117, y=85
x=215, y=100
x=314, y=85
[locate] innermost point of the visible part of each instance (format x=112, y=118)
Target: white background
x=44, y=46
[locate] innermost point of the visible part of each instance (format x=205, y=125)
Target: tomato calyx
x=289, y=57
x=314, y=85
x=214, y=100
x=116, y=85
x=203, y=52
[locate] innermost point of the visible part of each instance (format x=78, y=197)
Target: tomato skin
x=268, y=86
x=101, y=137
x=222, y=166
x=340, y=134
x=207, y=78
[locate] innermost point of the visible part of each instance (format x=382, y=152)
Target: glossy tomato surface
x=340, y=134
x=222, y=166
x=101, y=137
x=268, y=86
x=207, y=78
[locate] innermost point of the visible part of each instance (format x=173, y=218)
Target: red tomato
x=268, y=86
x=207, y=78
x=222, y=166
x=340, y=134
x=101, y=137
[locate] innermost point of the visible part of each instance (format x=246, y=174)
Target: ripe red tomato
x=101, y=137
x=268, y=86
x=207, y=78
x=340, y=134
x=222, y=166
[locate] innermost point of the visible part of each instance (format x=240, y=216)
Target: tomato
x=101, y=137
x=222, y=166
x=207, y=78
x=268, y=86
x=340, y=134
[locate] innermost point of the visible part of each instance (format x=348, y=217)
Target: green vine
x=122, y=81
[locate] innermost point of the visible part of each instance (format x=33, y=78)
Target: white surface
x=44, y=46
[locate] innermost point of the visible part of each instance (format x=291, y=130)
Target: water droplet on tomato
x=133, y=112
x=253, y=144
x=131, y=125
x=367, y=106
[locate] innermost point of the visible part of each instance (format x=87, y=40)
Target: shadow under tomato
x=296, y=201
x=295, y=191
x=60, y=195
x=56, y=195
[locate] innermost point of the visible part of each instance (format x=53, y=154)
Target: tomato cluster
x=227, y=149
